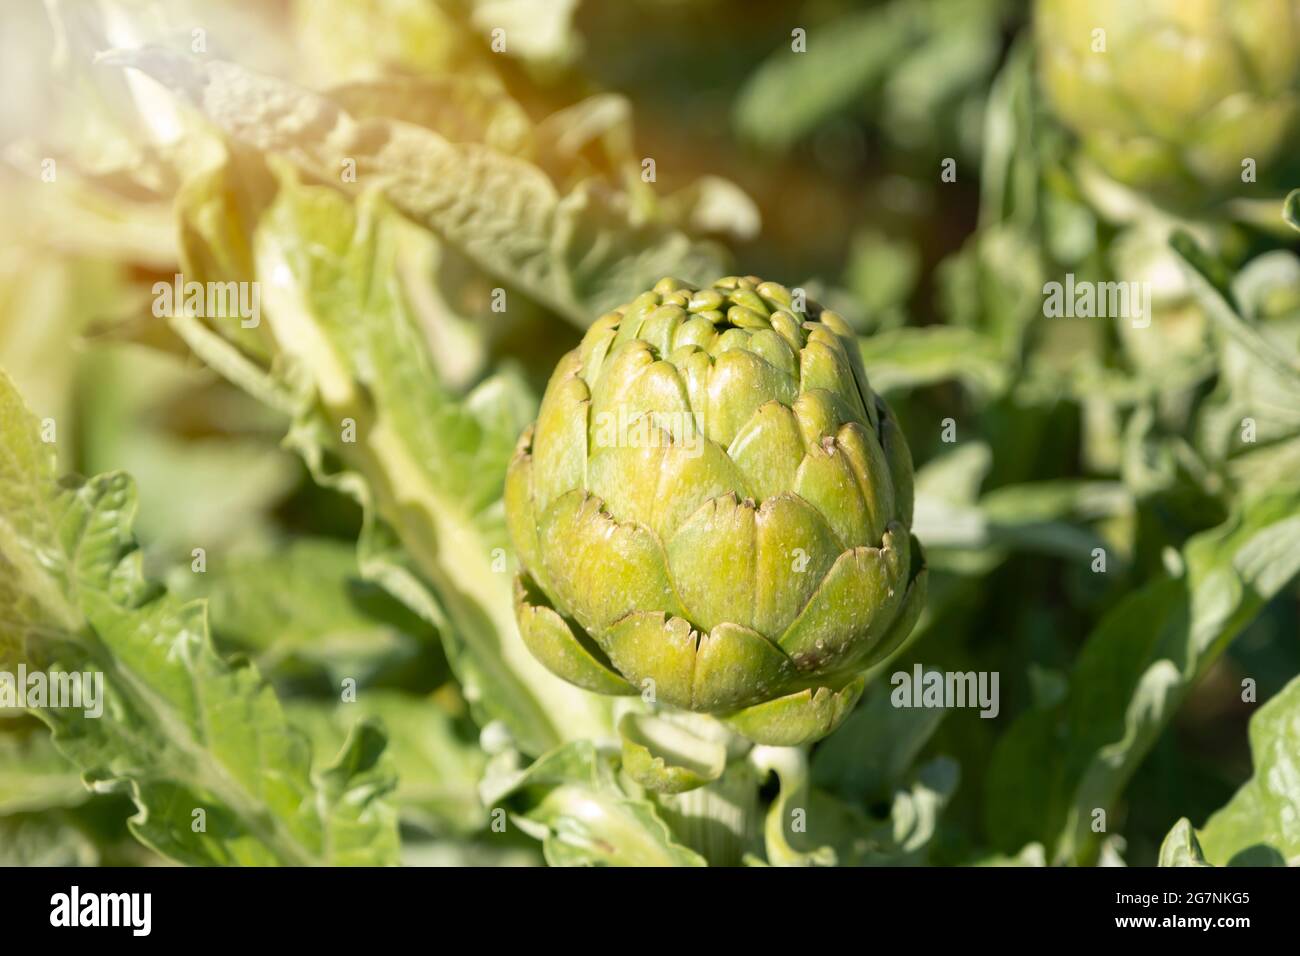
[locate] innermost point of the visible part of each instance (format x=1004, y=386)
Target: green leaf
x=1181, y=848
x=423, y=465
x=336, y=308
x=1264, y=303
x=181, y=730
x=791, y=93
x=908, y=358
x=210, y=490
x=579, y=254
x=571, y=801
x=941, y=85
x=1261, y=824
x=667, y=756
x=881, y=271
x=1056, y=767
x=1210, y=284
x=921, y=57
x=372, y=420
x=1038, y=517
x=721, y=820
x=438, y=768
x=304, y=609
x=35, y=776
x=1046, y=517
x=1010, y=177
x=33, y=582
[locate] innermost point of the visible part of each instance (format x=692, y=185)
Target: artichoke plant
x=1181, y=93
x=713, y=510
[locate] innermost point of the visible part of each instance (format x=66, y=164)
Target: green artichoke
x=713, y=508
x=1184, y=91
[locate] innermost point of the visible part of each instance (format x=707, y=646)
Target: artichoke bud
x=713, y=511
x=1172, y=96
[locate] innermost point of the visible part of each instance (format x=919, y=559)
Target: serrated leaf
x=372, y=420
x=437, y=767
x=304, y=609
x=418, y=460
x=181, y=730
x=580, y=254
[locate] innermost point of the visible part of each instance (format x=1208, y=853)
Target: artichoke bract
x=713, y=510
x=1182, y=93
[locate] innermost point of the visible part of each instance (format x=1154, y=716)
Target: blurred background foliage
x=1038, y=440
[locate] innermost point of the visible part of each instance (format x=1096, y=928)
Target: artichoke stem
x=720, y=820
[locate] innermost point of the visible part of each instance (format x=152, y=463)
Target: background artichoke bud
x=714, y=508
x=1182, y=93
